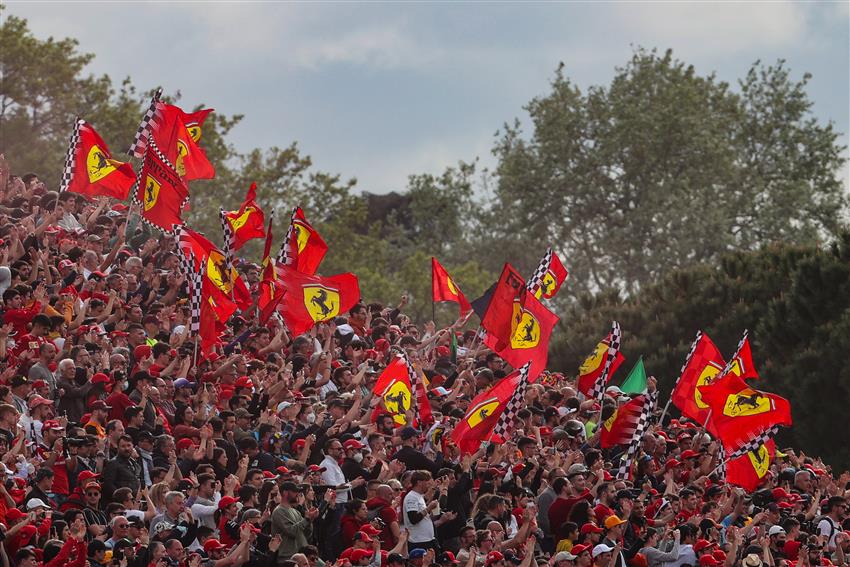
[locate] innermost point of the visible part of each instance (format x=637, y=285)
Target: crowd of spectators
x=120, y=445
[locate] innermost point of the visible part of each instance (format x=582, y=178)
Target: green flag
x=636, y=380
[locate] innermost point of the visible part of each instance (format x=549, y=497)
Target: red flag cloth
x=303, y=249
x=593, y=366
x=224, y=285
x=313, y=299
x=531, y=328
x=90, y=169
x=161, y=193
x=483, y=414
x=701, y=368
x=443, y=288
x=216, y=309
x=739, y=413
x=248, y=222
x=271, y=288
x=749, y=470
x=175, y=138
x=742, y=361
x=498, y=319
x=550, y=281
x=393, y=386
x=619, y=427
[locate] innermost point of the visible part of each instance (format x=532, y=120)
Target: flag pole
x=707, y=418
x=664, y=412
x=195, y=353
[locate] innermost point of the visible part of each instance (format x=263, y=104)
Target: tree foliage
x=795, y=300
x=664, y=168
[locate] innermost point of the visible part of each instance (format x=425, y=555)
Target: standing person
x=418, y=508
x=294, y=529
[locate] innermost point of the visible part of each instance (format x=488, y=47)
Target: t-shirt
x=827, y=528
x=686, y=557
x=423, y=531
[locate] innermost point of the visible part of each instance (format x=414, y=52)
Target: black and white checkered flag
x=728, y=368
x=70, y=161
x=194, y=278
x=415, y=385
x=689, y=357
x=642, y=425
x=535, y=282
x=140, y=141
x=227, y=231
x=754, y=443
x=598, y=389
x=721, y=468
x=515, y=403
x=285, y=256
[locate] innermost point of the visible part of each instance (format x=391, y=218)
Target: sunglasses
x=92, y=493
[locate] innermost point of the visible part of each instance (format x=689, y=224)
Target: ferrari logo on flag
x=609, y=423
x=152, y=187
x=302, y=234
x=239, y=222
x=194, y=131
x=594, y=360
x=482, y=411
x=760, y=460
x=525, y=329
x=322, y=302
x=746, y=402
x=397, y=400
x=711, y=370
x=98, y=165
x=452, y=286
x=547, y=284
x=218, y=272
x=182, y=151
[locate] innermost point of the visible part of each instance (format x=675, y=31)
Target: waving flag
x=548, y=277
x=619, y=427
x=739, y=413
x=443, y=288
x=89, y=168
x=531, y=328
x=271, y=288
x=393, y=386
x=246, y=223
x=601, y=364
x=220, y=282
x=515, y=403
x=649, y=400
x=312, y=299
x=160, y=193
x=499, y=313
x=483, y=414
x=741, y=364
x=302, y=248
x=749, y=469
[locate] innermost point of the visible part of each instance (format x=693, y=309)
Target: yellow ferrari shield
x=218, y=273
x=322, y=302
x=746, y=402
x=397, y=400
x=594, y=361
x=98, y=165
x=452, y=287
x=302, y=234
x=546, y=286
x=194, y=131
x=151, y=192
x=760, y=459
x=609, y=423
x=238, y=222
x=706, y=377
x=482, y=411
x=182, y=151
x=525, y=329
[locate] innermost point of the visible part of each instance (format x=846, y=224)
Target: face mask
x=358, y=457
x=311, y=418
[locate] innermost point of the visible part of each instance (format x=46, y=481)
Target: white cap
x=563, y=556
x=775, y=530
x=36, y=503
x=601, y=548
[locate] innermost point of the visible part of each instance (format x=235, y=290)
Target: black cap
x=290, y=486
x=624, y=494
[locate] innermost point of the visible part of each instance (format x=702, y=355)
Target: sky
x=379, y=91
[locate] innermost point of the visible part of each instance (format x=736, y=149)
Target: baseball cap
x=36, y=401
x=575, y=469
x=493, y=557
x=579, y=549
x=353, y=444
x=418, y=553
x=611, y=522
x=591, y=528
x=183, y=383
x=101, y=405
x=359, y=555
x=447, y=557
x=601, y=548
x=775, y=530
x=703, y=544
x=52, y=424
x=708, y=561
x=36, y=503
x=362, y=536
x=563, y=556
x=213, y=544
x=226, y=501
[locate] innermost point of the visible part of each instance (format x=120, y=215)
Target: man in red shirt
x=16, y=314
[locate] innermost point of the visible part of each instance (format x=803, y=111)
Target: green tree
x=662, y=169
x=795, y=301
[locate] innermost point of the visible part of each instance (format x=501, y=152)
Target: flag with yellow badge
x=246, y=223
x=444, y=288
x=309, y=300
x=160, y=193
x=89, y=168
x=303, y=247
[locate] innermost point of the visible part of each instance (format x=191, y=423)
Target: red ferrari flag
x=154, y=118
x=160, y=192
x=750, y=469
x=593, y=367
x=89, y=168
x=215, y=312
x=740, y=413
x=483, y=414
x=175, y=140
x=400, y=387
x=498, y=319
x=741, y=363
x=443, y=288
x=619, y=424
x=220, y=282
x=302, y=248
x=548, y=277
x=248, y=222
x=313, y=299
x=271, y=288
x=531, y=328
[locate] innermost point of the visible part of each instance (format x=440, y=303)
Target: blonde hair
x=157, y=494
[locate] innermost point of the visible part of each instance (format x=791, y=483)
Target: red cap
x=719, y=554
x=226, y=501
x=13, y=515
x=702, y=544
x=448, y=555
x=298, y=444
x=52, y=424
x=780, y=494
x=86, y=475
x=579, y=549
x=100, y=378
x=39, y=384
x=785, y=505
x=243, y=382
x=590, y=528
x=213, y=544
x=316, y=468
x=369, y=529
x=141, y=351
x=100, y=405
x=283, y=470
x=708, y=561
x=184, y=444
x=494, y=556
x=270, y=474
x=672, y=463
x=545, y=431
x=359, y=555
x=689, y=454
x=362, y=536
x=353, y=444
x=36, y=401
